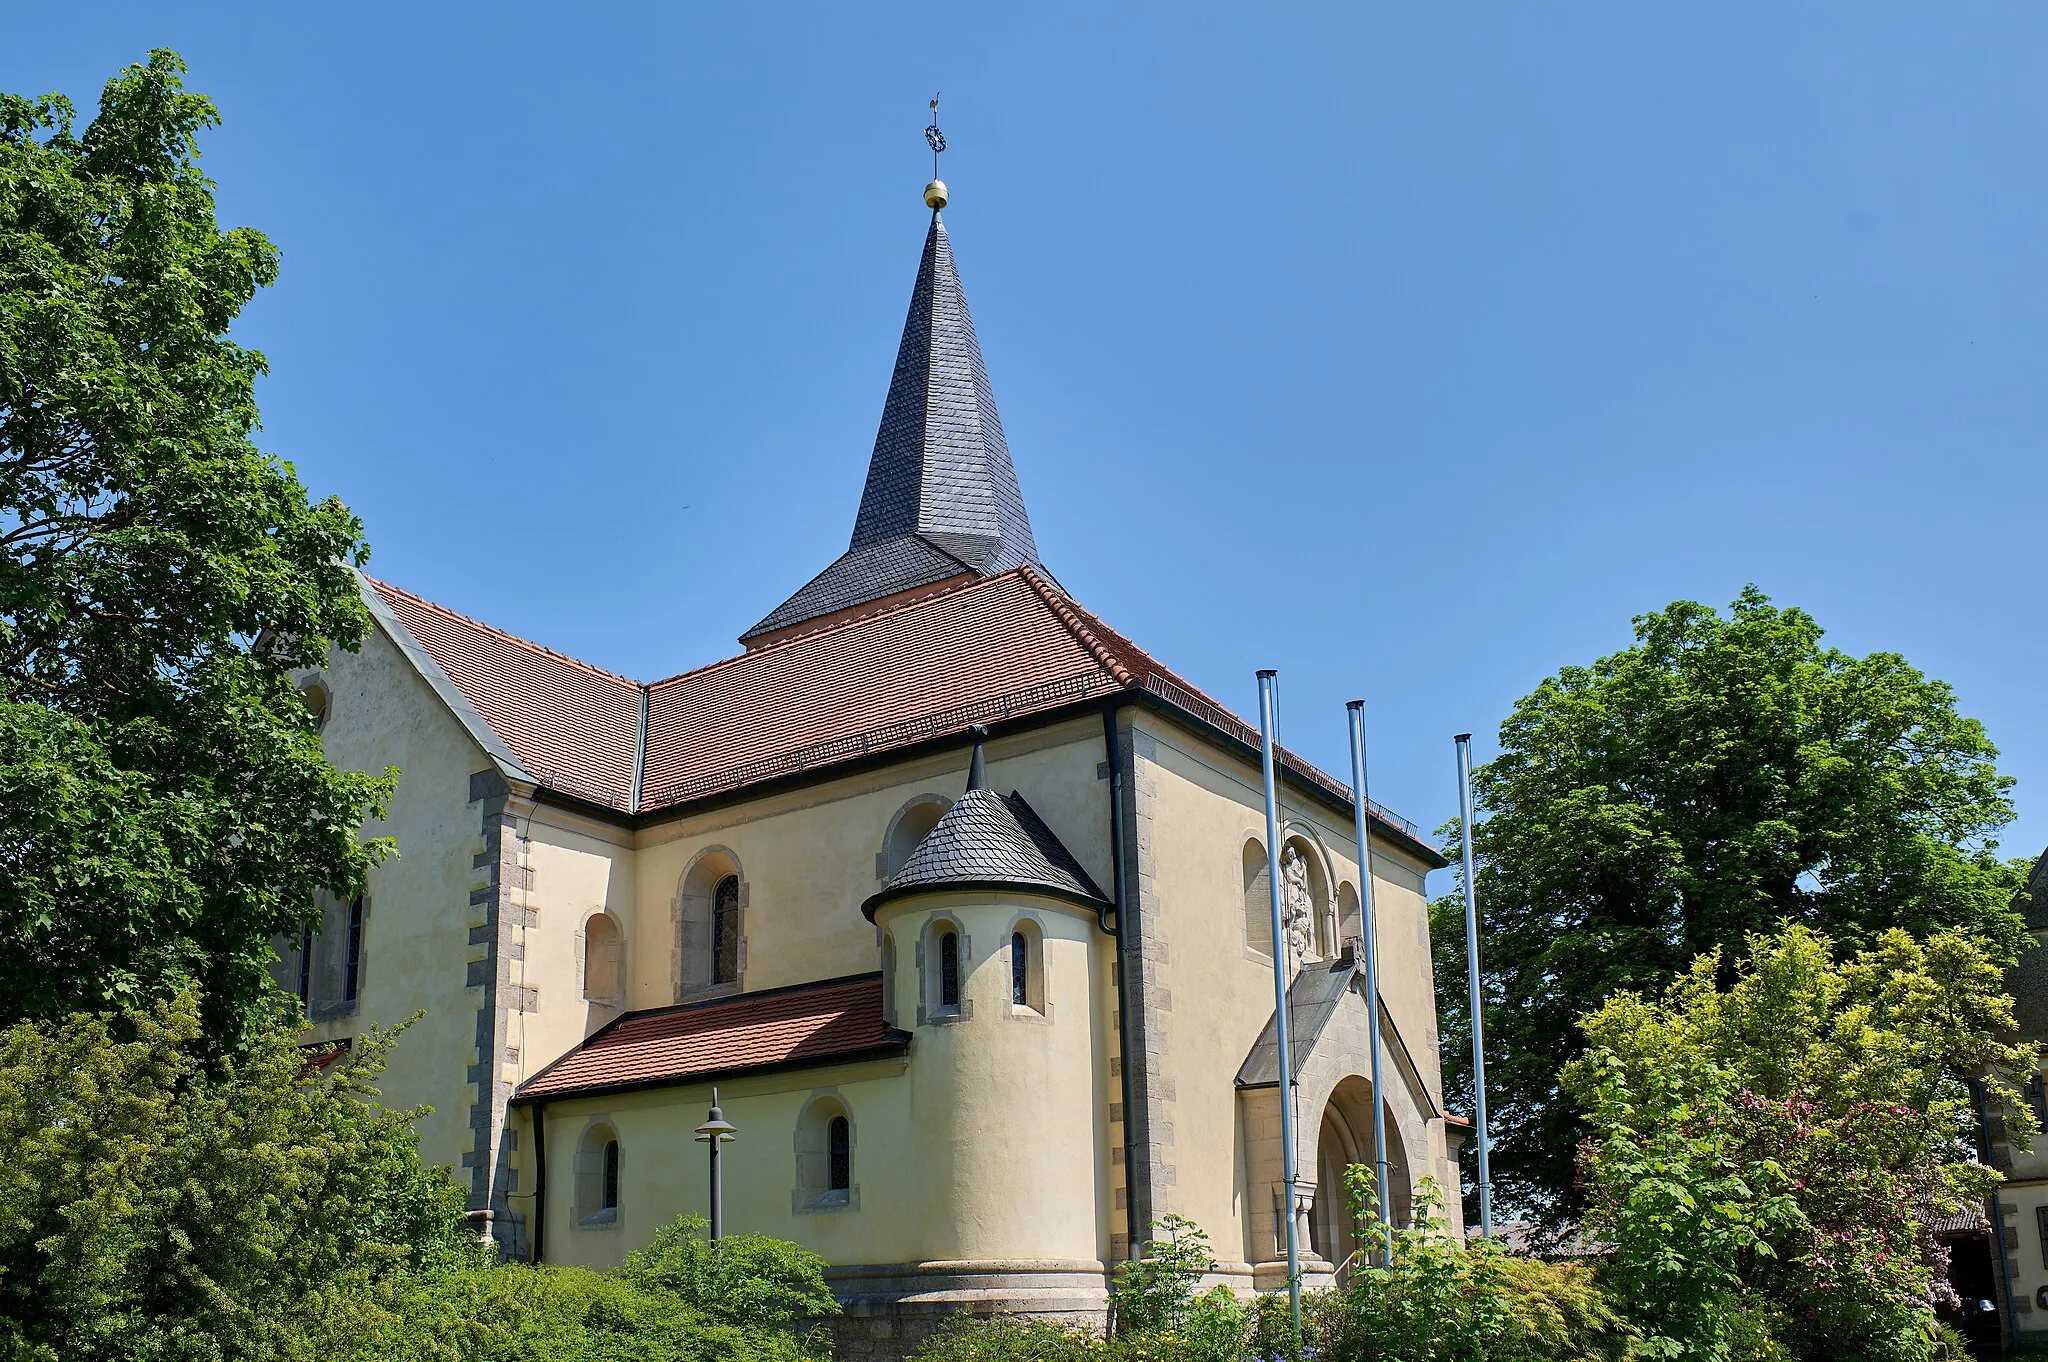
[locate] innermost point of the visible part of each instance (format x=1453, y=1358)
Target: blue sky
x=1411, y=350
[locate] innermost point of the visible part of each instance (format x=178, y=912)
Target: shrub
x=749, y=1280
x=1438, y=1300
x=1761, y=1152
x=516, y=1313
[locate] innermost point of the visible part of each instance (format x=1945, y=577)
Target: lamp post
x=716, y=1131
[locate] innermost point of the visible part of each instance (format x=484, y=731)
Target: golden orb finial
x=935, y=195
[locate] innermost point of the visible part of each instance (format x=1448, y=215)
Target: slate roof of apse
x=941, y=495
x=989, y=650
x=988, y=840
x=832, y=1021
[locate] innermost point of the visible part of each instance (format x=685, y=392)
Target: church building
x=954, y=894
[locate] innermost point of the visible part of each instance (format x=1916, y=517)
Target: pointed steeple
x=941, y=499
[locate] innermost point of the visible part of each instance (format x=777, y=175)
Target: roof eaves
x=439, y=682
x=897, y=1044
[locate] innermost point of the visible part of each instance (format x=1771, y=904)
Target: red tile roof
x=837, y=1019
x=575, y=728
x=992, y=649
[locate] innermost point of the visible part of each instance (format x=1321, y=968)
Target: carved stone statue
x=1297, y=911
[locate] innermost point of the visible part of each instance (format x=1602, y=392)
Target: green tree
x=1725, y=773
x=156, y=1206
x=164, y=805
x=1762, y=1154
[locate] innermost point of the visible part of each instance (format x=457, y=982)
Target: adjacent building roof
x=990, y=841
x=941, y=497
x=835, y=1021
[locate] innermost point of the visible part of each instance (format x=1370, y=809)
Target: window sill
x=826, y=1203
x=946, y=1016
x=1025, y=1012
x=599, y=1220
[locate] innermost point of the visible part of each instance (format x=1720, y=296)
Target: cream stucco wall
x=1205, y=804
x=986, y=1106
x=382, y=713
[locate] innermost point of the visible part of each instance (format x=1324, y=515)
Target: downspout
x=539, y=1112
x=1126, y=913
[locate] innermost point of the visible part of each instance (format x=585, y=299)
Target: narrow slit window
x=949, y=969
x=1020, y=969
x=839, y=1155
x=725, y=931
x=352, y=976
x=609, y=1197
x=306, y=966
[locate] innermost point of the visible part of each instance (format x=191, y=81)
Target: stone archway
x=1344, y=1137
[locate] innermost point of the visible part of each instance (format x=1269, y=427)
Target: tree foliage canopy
x=1763, y=1157
x=1724, y=774
x=164, y=805
x=156, y=1206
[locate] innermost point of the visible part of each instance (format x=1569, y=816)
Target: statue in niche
x=1297, y=911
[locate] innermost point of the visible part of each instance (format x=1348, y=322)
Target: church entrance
x=1345, y=1138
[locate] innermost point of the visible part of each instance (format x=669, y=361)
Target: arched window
x=1027, y=966
x=839, y=1155
x=1258, y=906
x=824, y=1156
x=596, y=1193
x=912, y=824
x=725, y=931
x=604, y=960
x=949, y=970
x=888, y=979
x=1020, y=970
x=711, y=924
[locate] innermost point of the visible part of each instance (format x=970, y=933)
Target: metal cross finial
x=935, y=139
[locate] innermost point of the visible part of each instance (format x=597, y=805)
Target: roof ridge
x=848, y=623
x=1109, y=660
x=492, y=629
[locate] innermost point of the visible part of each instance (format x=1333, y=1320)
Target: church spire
x=941, y=499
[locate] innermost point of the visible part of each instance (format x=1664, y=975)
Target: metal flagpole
x=1355, y=712
x=1267, y=719
x=1464, y=743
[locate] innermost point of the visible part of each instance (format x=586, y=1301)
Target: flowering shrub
x=1763, y=1156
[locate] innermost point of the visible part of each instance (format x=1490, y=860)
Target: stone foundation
x=887, y=1309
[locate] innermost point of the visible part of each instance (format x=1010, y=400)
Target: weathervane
x=935, y=192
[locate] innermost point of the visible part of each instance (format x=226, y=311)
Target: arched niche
x=911, y=825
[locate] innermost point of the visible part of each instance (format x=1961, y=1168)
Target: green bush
x=516, y=1313
x=749, y=1280
x=1437, y=1300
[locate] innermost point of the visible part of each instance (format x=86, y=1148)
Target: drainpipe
x=1126, y=912
x=539, y=1113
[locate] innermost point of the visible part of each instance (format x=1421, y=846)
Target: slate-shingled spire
x=941, y=498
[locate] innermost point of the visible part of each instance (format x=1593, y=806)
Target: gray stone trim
x=479, y=729
x=491, y=1176
x=1142, y=960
